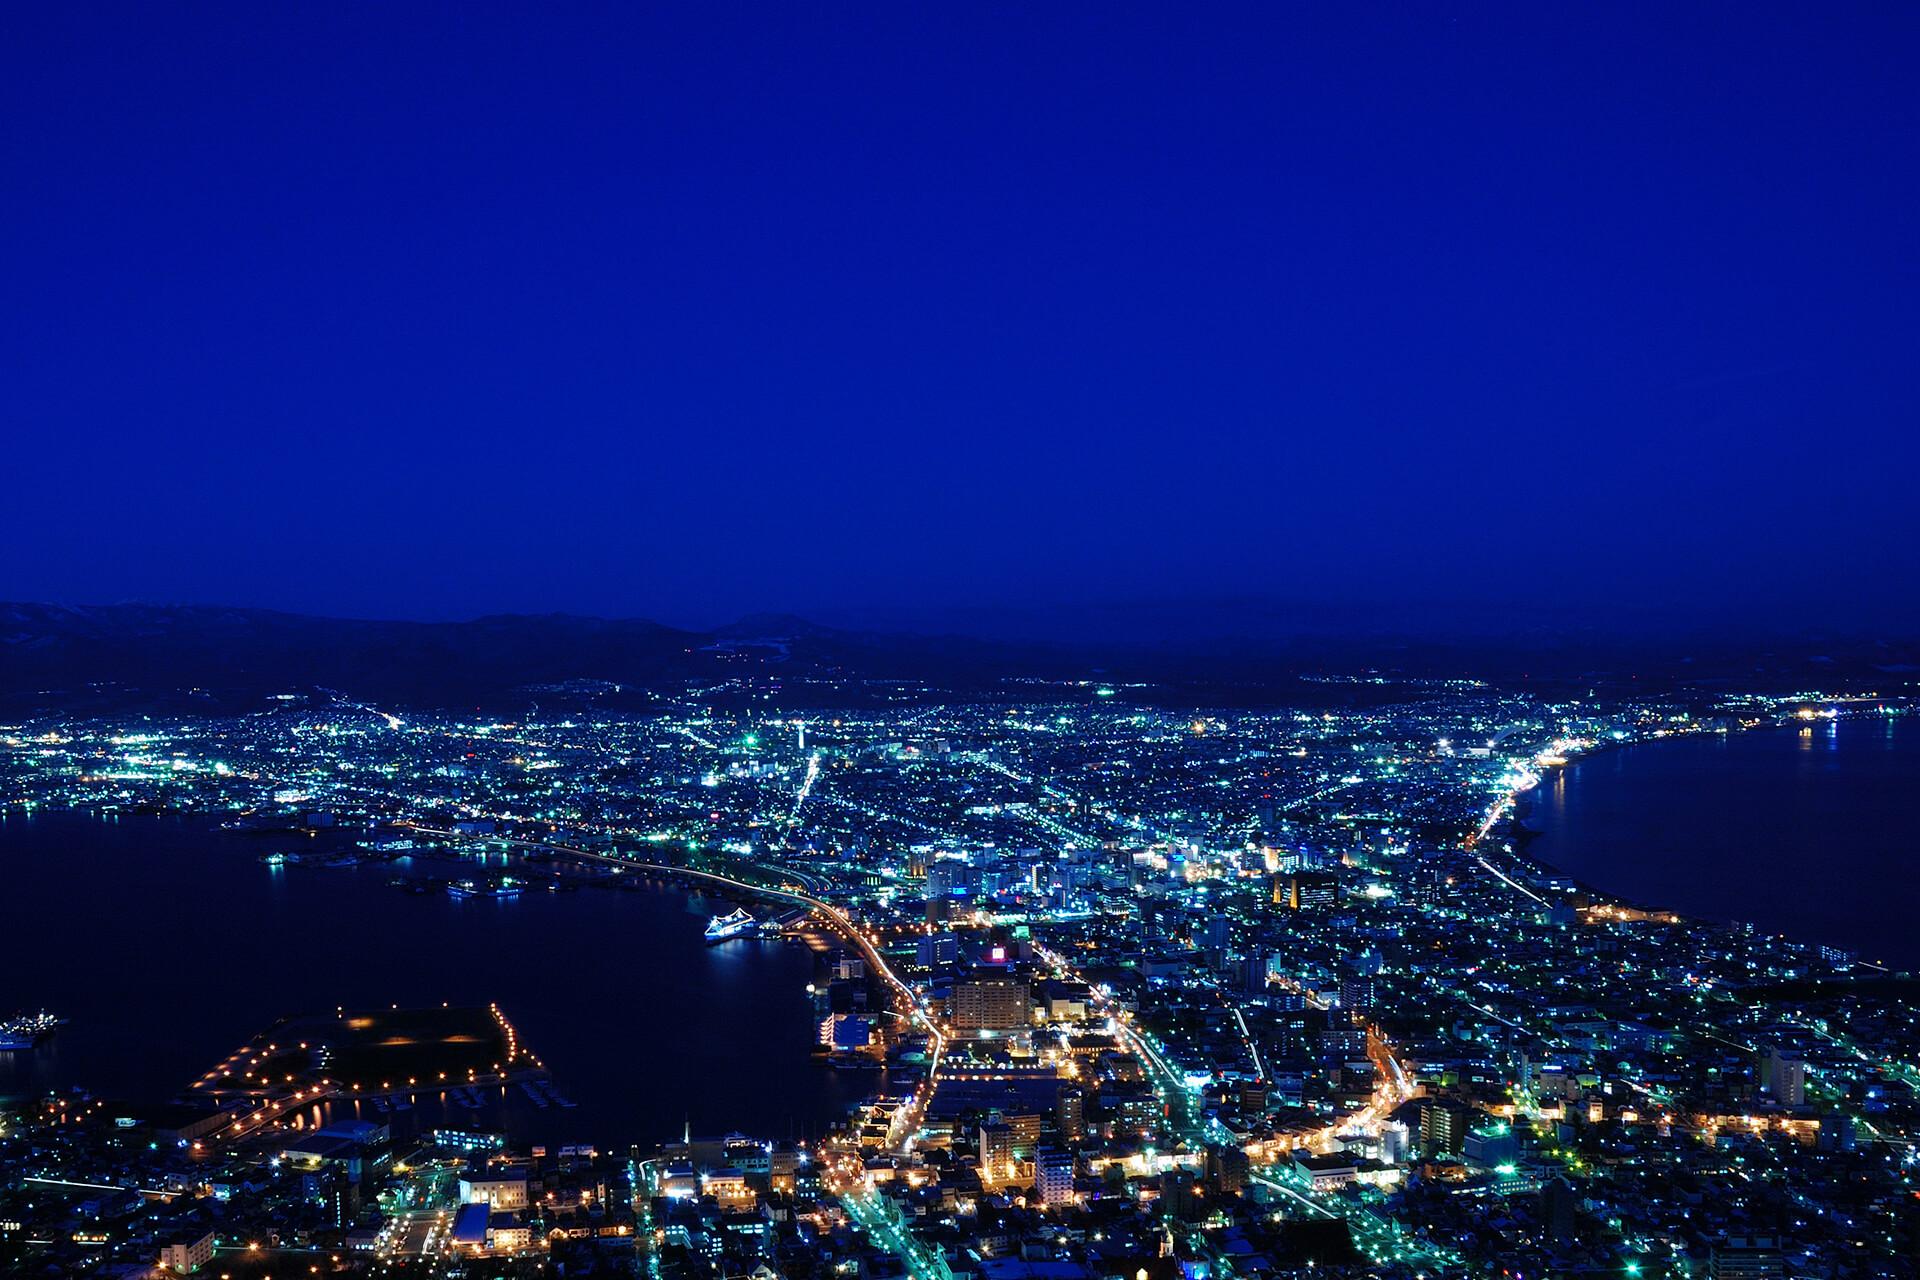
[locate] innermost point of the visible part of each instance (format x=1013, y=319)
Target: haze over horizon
x=992, y=314
x=1093, y=631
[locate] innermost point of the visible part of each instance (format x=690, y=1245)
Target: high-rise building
x=1182, y=1195
x=1025, y=1127
x=1747, y=1258
x=1395, y=1142
x=937, y=950
x=1443, y=1126
x=1053, y=1175
x=949, y=877
x=996, y=1151
x=343, y=1199
x=1228, y=1167
x=1340, y=1040
x=1313, y=891
x=991, y=1004
x=188, y=1255
x=1254, y=975
x=1492, y=1145
x=1070, y=1114
x=1784, y=1078
x=1559, y=1210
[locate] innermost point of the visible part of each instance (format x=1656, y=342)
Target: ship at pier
x=720, y=928
x=26, y=1030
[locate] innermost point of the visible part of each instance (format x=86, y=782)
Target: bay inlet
x=190, y=946
x=1811, y=831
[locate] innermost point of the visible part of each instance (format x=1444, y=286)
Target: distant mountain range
x=57, y=654
x=72, y=656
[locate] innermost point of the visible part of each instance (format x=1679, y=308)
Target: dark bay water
x=1812, y=832
x=167, y=944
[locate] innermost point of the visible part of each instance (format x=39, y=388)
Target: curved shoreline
x=1727, y=914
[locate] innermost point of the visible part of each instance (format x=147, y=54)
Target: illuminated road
x=1183, y=1116
x=1510, y=882
x=877, y=1216
x=1259, y=1068
x=1379, y=1238
x=806, y=785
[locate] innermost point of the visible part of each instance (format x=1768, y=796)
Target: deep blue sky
x=688, y=311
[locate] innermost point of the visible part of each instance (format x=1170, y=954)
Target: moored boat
x=23, y=1031
x=732, y=925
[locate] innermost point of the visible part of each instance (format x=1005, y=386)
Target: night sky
x=689, y=311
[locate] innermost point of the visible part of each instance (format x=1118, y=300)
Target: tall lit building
x=1313, y=891
x=1443, y=1126
x=991, y=1004
x=1747, y=1258
x=937, y=950
x=1070, y=1114
x=1784, y=1078
x=1053, y=1176
x=996, y=1151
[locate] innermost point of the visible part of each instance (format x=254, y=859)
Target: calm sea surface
x=167, y=944
x=1812, y=832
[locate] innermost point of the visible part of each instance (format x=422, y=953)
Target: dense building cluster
x=1141, y=993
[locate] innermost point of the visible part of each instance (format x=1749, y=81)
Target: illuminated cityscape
x=874, y=641
x=1240, y=993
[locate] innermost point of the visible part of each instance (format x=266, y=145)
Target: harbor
x=736, y=1013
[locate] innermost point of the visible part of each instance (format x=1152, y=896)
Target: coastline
x=1521, y=838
